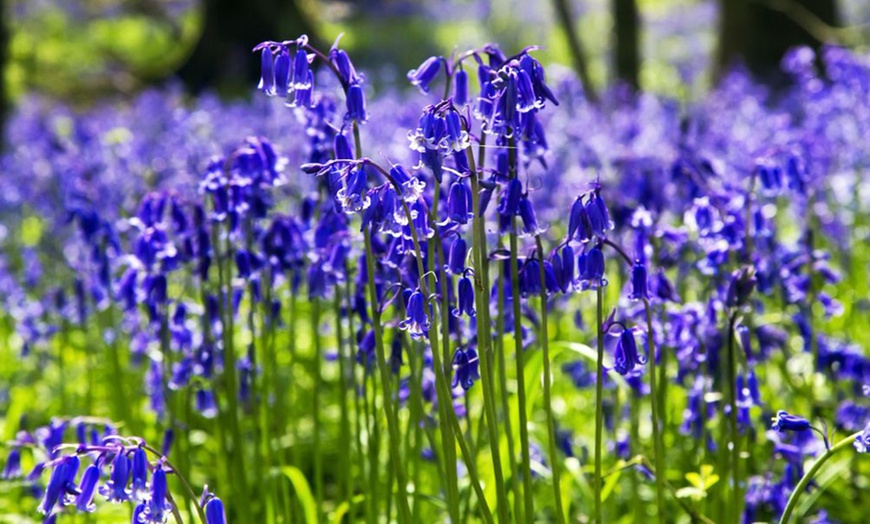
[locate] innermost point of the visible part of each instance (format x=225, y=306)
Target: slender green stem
x=525, y=447
x=346, y=450
x=318, y=386
x=736, y=497
x=484, y=341
x=548, y=404
x=392, y=423
x=808, y=476
x=658, y=453
x=599, y=393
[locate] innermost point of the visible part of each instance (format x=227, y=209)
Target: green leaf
x=303, y=491
x=344, y=507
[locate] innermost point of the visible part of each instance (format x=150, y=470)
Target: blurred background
x=83, y=51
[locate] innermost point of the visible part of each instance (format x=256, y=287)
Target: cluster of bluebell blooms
x=433, y=264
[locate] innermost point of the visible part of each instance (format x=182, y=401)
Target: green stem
x=525, y=447
x=318, y=386
x=599, y=393
x=481, y=296
x=392, y=423
x=657, y=441
x=808, y=476
x=737, y=499
x=548, y=405
x=344, y=386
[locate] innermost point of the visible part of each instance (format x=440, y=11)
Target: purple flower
x=417, y=322
x=87, y=488
x=785, y=422
x=465, y=368
x=466, y=298
x=214, y=512
x=115, y=490
x=423, y=75
x=627, y=356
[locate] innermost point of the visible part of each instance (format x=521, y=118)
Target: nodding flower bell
x=509, y=205
x=784, y=422
x=527, y=213
x=862, y=443
x=158, y=507
x=282, y=73
x=591, y=266
x=214, y=512
x=638, y=281
x=456, y=256
x=459, y=203
x=115, y=490
x=356, y=104
x=139, y=467
x=62, y=478
x=579, y=228
x=423, y=75
x=267, y=72
x=342, y=63
x=466, y=298
x=87, y=488
x=627, y=356
x=599, y=218
x=417, y=322
x=465, y=368
x=460, y=87
x=353, y=196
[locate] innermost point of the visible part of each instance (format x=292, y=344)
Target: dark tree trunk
x=626, y=48
x=4, y=59
x=566, y=20
x=757, y=33
x=222, y=59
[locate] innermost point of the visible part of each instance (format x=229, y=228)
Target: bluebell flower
x=12, y=468
x=579, y=227
x=509, y=205
x=353, y=195
x=356, y=104
x=785, y=422
x=862, y=443
x=204, y=403
x=627, y=356
x=456, y=256
x=417, y=321
x=214, y=512
x=459, y=203
x=87, y=488
x=527, y=214
x=465, y=368
x=455, y=139
x=639, y=289
x=590, y=265
x=115, y=489
x=342, y=63
x=423, y=75
x=465, y=298
x=139, y=468
x=158, y=507
x=460, y=87
x=563, y=264
x=62, y=478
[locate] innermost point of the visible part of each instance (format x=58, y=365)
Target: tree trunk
x=4, y=59
x=626, y=48
x=222, y=58
x=757, y=33
x=566, y=20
